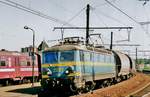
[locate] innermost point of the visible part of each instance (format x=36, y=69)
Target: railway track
x=124, y=89
x=25, y=90
x=60, y=92
x=143, y=92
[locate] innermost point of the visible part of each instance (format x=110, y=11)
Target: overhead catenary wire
x=122, y=11
x=116, y=20
x=146, y=14
x=60, y=6
x=100, y=36
x=147, y=22
x=77, y=14
x=128, y=16
x=112, y=18
x=35, y=12
x=109, y=17
x=98, y=17
x=99, y=5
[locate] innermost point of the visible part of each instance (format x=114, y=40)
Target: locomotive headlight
x=67, y=71
x=49, y=72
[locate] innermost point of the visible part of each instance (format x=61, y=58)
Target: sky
x=13, y=36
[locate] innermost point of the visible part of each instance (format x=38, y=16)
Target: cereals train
x=73, y=66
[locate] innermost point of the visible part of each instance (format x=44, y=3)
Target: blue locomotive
x=75, y=66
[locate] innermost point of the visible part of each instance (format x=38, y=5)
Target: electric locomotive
x=75, y=66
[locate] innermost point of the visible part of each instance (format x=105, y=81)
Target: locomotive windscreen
x=67, y=56
x=50, y=57
x=56, y=57
x=58, y=64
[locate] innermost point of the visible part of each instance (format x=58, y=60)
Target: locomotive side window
x=96, y=57
x=23, y=63
x=16, y=61
x=2, y=63
x=112, y=59
x=81, y=56
x=87, y=56
x=101, y=58
x=107, y=58
x=28, y=63
x=82, y=60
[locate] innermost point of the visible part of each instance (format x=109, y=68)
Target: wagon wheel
x=87, y=88
x=104, y=84
x=23, y=81
x=131, y=75
x=108, y=83
x=76, y=90
x=6, y=83
x=73, y=88
x=118, y=80
x=19, y=82
x=128, y=76
x=92, y=86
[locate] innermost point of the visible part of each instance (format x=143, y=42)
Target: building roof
x=42, y=46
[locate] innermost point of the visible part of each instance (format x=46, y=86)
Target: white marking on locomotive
x=9, y=62
x=28, y=69
x=7, y=70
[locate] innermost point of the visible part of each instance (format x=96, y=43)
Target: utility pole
x=111, y=43
x=33, y=55
x=87, y=23
x=136, y=59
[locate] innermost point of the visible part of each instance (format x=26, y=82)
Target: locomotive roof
x=77, y=47
x=9, y=53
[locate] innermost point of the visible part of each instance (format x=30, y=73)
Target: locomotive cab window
x=67, y=56
x=60, y=56
x=2, y=63
x=50, y=57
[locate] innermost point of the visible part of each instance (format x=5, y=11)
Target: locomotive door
x=82, y=64
x=87, y=66
x=17, y=67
